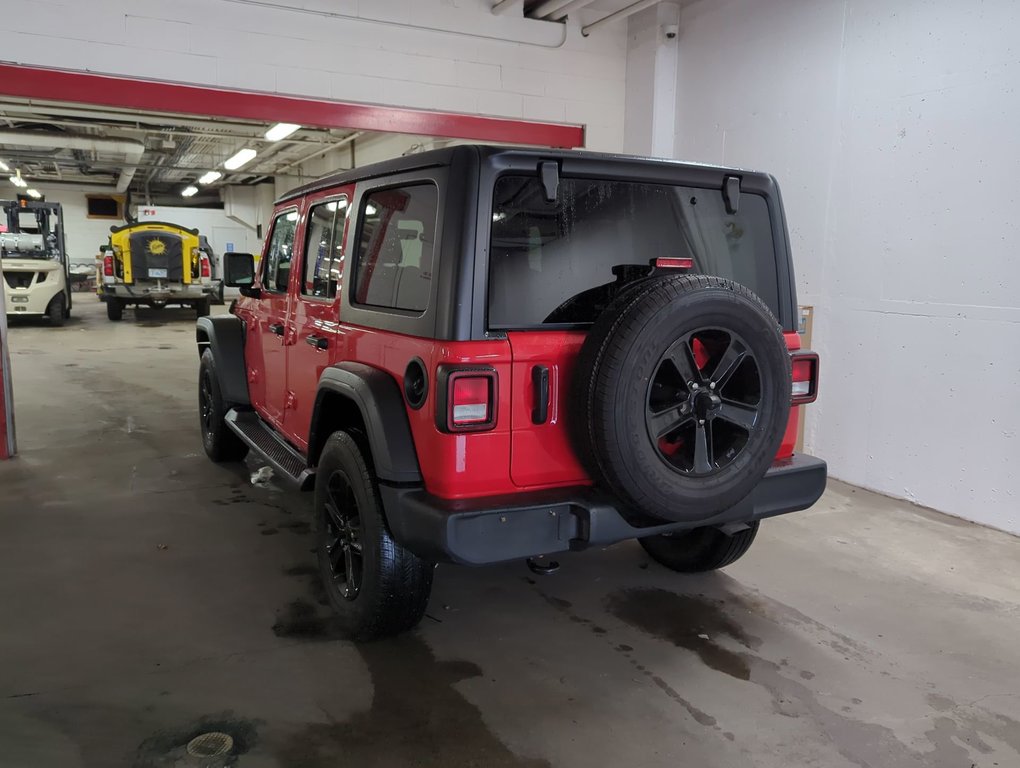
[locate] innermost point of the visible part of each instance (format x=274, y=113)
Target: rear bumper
x=140, y=293
x=494, y=529
x=31, y=301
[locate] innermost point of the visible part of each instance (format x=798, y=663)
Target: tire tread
x=405, y=580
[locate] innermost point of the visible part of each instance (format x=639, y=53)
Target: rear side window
x=396, y=242
x=280, y=252
x=562, y=262
x=325, y=229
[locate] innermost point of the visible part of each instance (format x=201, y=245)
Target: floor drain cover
x=212, y=744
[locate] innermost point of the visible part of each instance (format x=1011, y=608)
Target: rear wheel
x=114, y=308
x=219, y=442
x=57, y=310
x=702, y=549
x=376, y=587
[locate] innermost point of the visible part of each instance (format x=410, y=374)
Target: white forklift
x=33, y=259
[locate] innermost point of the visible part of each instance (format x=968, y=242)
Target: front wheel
x=376, y=587
x=57, y=310
x=219, y=442
x=699, y=550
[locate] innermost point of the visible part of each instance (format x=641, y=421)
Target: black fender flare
x=377, y=396
x=224, y=335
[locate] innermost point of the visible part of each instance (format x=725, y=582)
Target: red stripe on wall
x=128, y=93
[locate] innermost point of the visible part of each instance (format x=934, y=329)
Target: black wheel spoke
x=683, y=359
x=702, y=450
x=704, y=401
x=351, y=584
x=661, y=424
x=335, y=517
x=336, y=552
x=355, y=543
x=744, y=416
x=728, y=363
x=343, y=549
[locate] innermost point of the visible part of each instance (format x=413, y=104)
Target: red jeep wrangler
x=479, y=354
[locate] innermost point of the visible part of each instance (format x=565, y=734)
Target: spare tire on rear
x=681, y=396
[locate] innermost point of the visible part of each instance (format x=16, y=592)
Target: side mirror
x=239, y=272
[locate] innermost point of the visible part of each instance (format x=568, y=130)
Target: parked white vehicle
x=34, y=260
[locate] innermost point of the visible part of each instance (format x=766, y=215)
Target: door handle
x=276, y=328
x=319, y=342
x=540, y=381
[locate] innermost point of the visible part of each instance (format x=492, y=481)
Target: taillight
x=671, y=262
x=203, y=261
x=108, y=265
x=805, y=377
x=467, y=399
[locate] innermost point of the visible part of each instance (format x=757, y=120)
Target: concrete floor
x=147, y=595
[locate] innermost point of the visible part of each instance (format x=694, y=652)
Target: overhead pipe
x=623, y=13
x=505, y=5
x=542, y=10
x=132, y=150
x=256, y=135
x=566, y=10
x=327, y=148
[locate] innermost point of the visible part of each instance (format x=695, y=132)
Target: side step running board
x=286, y=462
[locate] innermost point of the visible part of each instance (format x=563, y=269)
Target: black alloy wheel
x=206, y=404
x=343, y=542
x=375, y=586
x=218, y=440
x=704, y=401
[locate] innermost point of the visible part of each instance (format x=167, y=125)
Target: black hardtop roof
x=440, y=157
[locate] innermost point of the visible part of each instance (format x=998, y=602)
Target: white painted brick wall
x=484, y=67
x=892, y=128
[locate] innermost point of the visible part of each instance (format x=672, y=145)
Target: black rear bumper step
x=495, y=529
x=285, y=460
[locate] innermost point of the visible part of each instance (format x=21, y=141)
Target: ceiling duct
x=130, y=149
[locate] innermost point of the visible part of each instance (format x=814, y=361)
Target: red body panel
x=541, y=454
x=314, y=317
x=790, y=436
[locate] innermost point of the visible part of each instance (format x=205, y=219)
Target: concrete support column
x=652, y=60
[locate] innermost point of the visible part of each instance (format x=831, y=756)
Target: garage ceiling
x=148, y=153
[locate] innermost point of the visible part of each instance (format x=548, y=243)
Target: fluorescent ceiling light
x=243, y=156
x=33, y=193
x=17, y=181
x=189, y=191
x=4, y=167
x=281, y=131
x=210, y=177
x=292, y=216
x=336, y=204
